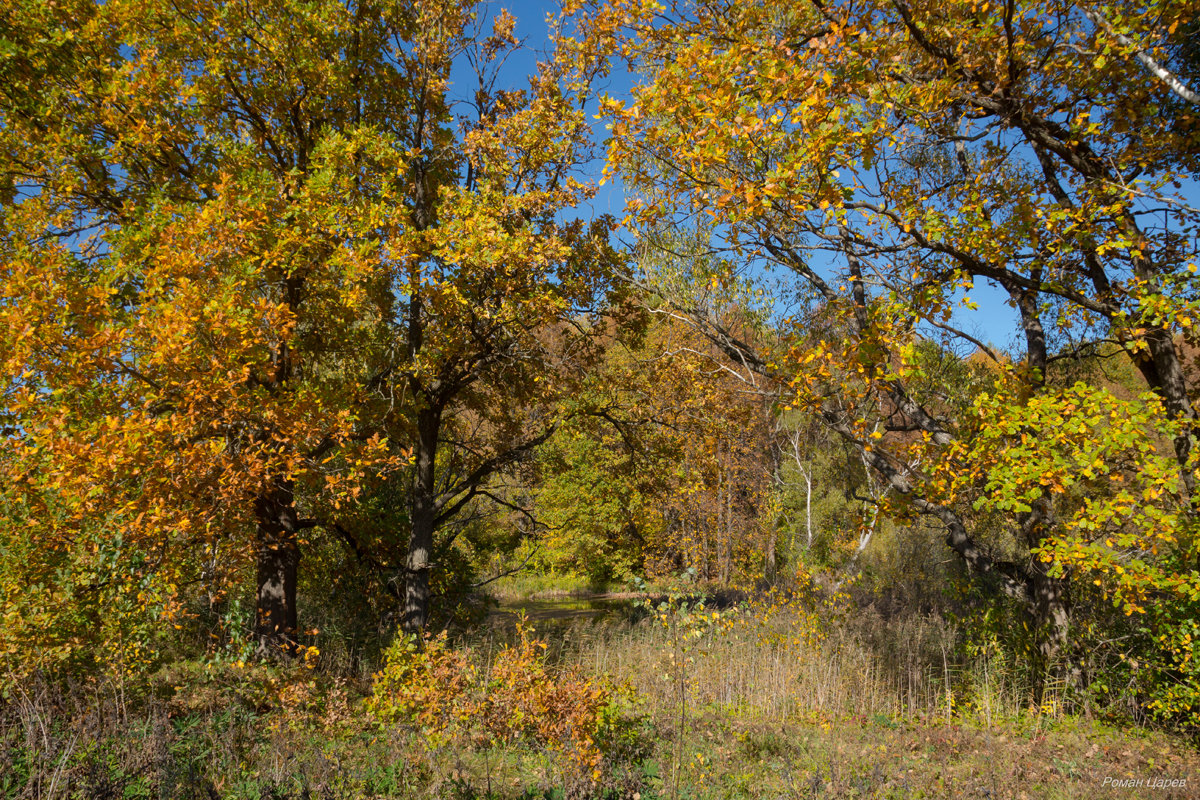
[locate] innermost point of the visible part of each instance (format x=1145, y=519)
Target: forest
x=612, y=399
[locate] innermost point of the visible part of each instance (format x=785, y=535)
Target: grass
x=775, y=701
x=735, y=757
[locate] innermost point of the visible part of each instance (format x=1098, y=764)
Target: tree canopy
x=276, y=275
x=891, y=157
x=258, y=256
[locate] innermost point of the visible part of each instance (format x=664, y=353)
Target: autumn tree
x=717, y=515
x=667, y=471
x=256, y=256
x=503, y=301
x=890, y=158
x=668, y=462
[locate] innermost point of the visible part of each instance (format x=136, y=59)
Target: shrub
x=517, y=700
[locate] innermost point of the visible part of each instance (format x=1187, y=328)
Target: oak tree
x=256, y=255
x=893, y=156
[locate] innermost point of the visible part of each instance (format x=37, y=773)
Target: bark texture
x=275, y=625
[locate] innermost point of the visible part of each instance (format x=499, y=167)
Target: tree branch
x=1169, y=78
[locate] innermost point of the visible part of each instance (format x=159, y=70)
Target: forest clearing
x=606, y=399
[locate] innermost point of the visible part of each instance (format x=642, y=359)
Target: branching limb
x=1170, y=79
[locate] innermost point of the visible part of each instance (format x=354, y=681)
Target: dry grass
x=770, y=701
x=784, y=661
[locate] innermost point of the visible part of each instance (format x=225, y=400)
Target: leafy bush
x=518, y=699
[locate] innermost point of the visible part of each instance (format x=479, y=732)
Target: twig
x=512, y=571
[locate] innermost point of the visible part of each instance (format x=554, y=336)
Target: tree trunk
x=1164, y=372
x=423, y=516
x=771, y=568
x=1052, y=621
x=808, y=529
x=724, y=516
x=278, y=560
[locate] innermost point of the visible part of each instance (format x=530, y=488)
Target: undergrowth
x=771, y=698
